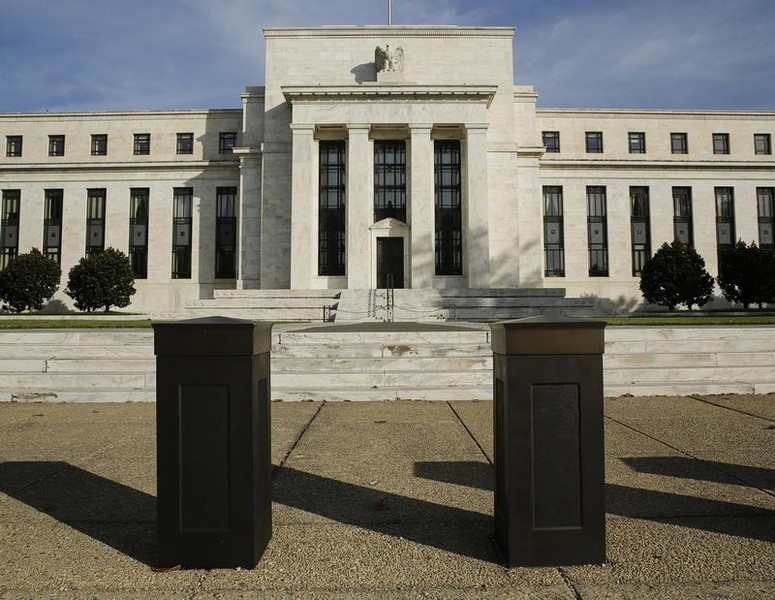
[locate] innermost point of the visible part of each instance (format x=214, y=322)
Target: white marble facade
x=322, y=84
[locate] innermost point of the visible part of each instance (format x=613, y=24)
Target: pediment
x=389, y=224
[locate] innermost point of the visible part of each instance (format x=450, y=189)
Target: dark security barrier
x=213, y=442
x=549, y=446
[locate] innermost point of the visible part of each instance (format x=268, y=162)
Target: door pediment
x=390, y=225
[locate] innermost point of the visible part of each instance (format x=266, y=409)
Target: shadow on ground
x=114, y=514
x=716, y=516
x=125, y=518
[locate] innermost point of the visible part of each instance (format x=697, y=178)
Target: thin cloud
x=133, y=54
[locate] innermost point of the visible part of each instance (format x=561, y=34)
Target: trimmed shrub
x=28, y=281
x=747, y=275
x=676, y=275
x=101, y=280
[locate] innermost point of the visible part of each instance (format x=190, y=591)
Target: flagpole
x=390, y=13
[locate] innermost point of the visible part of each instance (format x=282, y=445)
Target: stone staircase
x=362, y=305
x=260, y=305
x=77, y=365
x=689, y=360
x=357, y=306
x=495, y=304
x=385, y=361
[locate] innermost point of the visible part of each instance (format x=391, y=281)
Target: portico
x=388, y=144
x=392, y=182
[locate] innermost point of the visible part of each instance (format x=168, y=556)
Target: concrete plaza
x=393, y=499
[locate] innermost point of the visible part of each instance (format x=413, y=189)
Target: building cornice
x=139, y=115
x=119, y=166
x=393, y=92
x=657, y=164
x=393, y=31
x=642, y=113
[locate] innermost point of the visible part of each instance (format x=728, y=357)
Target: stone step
x=86, y=380
x=403, y=379
x=250, y=314
x=277, y=294
x=355, y=394
x=79, y=395
x=271, y=303
x=503, y=292
x=78, y=365
x=684, y=388
x=410, y=364
x=379, y=350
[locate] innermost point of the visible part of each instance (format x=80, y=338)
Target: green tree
x=676, y=275
x=101, y=280
x=28, y=281
x=747, y=275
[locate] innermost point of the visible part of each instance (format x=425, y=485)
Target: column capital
x=420, y=126
x=476, y=127
x=358, y=127
x=302, y=127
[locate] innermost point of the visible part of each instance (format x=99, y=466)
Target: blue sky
x=139, y=54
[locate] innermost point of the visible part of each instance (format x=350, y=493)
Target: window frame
x=636, y=142
x=227, y=141
x=142, y=144
x=554, y=251
x=99, y=144
x=390, y=181
x=682, y=145
x=683, y=213
x=332, y=200
x=765, y=148
x=765, y=212
x=52, y=223
x=554, y=138
x=10, y=212
x=139, y=210
x=96, y=204
x=640, y=227
x=184, y=143
x=14, y=145
x=594, y=142
x=56, y=145
x=725, y=217
x=721, y=143
x=182, y=229
x=448, y=207
x=597, y=199
x=226, y=200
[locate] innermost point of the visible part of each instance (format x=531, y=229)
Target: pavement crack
x=298, y=439
x=708, y=464
x=470, y=433
x=569, y=582
x=737, y=410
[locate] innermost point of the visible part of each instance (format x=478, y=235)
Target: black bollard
x=549, y=445
x=213, y=442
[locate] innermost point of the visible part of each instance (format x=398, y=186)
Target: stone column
x=475, y=222
x=360, y=207
x=303, y=258
x=249, y=219
x=421, y=207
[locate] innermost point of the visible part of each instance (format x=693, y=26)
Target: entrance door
x=390, y=261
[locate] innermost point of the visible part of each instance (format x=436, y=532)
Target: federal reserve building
x=385, y=157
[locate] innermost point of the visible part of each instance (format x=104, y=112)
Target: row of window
x=390, y=200
x=640, y=234
x=679, y=142
x=139, y=199
x=141, y=145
